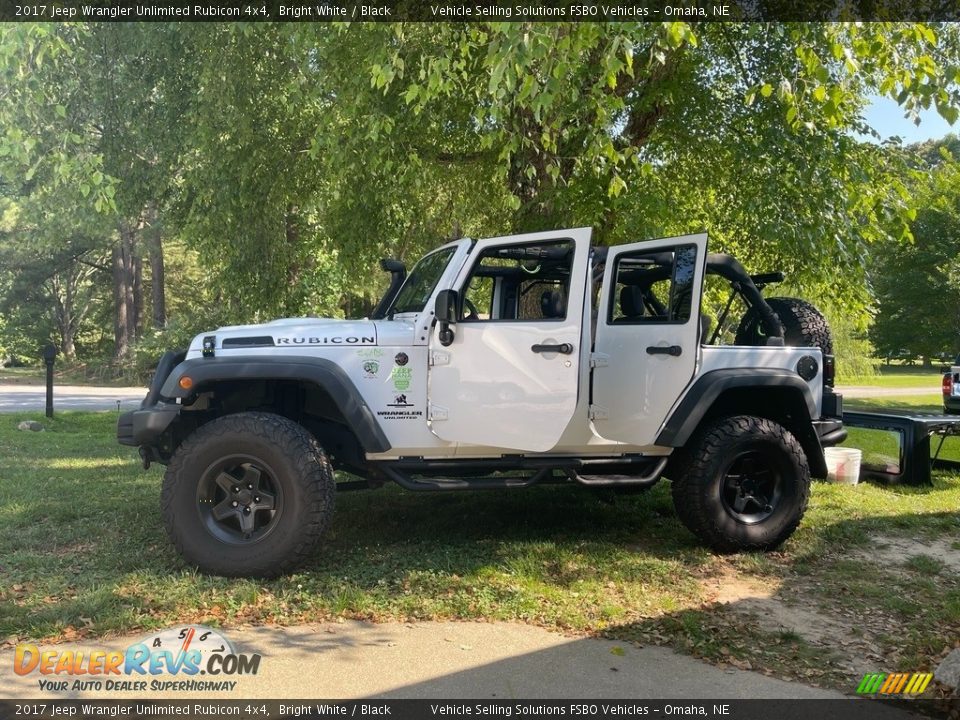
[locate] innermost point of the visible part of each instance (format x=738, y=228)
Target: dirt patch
x=763, y=605
x=771, y=611
x=896, y=551
x=80, y=548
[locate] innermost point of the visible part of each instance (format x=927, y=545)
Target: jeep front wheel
x=744, y=486
x=248, y=495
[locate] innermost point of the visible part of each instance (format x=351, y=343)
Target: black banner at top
x=476, y=10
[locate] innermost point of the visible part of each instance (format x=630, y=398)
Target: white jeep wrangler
x=498, y=363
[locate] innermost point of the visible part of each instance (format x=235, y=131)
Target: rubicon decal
x=191, y=651
x=335, y=340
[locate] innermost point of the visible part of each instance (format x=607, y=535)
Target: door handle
x=674, y=350
x=562, y=348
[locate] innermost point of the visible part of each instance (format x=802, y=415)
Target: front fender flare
x=320, y=371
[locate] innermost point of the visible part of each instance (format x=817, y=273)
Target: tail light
x=829, y=370
x=947, y=385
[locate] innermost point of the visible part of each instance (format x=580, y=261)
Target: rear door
x=509, y=379
x=648, y=335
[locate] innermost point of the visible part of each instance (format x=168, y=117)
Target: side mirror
x=447, y=311
x=447, y=308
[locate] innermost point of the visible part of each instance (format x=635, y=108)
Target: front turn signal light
x=186, y=382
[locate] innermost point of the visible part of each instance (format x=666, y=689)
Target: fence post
x=49, y=353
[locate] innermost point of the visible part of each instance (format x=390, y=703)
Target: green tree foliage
x=917, y=284
x=291, y=157
x=652, y=129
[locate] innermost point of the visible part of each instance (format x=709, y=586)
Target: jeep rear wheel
x=248, y=495
x=744, y=486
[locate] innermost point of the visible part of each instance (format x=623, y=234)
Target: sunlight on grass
x=81, y=537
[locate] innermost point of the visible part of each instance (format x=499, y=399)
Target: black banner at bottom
x=852, y=709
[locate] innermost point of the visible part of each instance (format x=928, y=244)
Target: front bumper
x=146, y=425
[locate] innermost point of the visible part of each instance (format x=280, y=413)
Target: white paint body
x=488, y=395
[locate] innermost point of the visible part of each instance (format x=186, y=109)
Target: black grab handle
x=563, y=348
x=674, y=350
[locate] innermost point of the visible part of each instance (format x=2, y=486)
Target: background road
x=27, y=398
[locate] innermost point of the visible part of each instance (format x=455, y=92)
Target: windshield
x=421, y=282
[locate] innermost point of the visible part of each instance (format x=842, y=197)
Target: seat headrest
x=631, y=301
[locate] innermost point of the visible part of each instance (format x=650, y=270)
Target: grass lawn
x=914, y=379
x=83, y=553
x=880, y=447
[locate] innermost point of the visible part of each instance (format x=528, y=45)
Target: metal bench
x=915, y=433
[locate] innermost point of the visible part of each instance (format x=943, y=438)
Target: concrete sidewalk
x=16, y=397
x=440, y=660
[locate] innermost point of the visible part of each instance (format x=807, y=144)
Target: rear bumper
x=830, y=432
x=145, y=426
x=830, y=427
x=951, y=403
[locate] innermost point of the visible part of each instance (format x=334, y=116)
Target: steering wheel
x=473, y=314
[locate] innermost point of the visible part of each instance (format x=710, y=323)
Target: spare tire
x=803, y=325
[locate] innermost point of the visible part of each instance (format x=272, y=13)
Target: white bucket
x=843, y=464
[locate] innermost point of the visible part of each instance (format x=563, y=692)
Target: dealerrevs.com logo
x=188, y=658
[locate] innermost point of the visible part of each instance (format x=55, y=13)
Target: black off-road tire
x=286, y=468
x=803, y=325
x=705, y=494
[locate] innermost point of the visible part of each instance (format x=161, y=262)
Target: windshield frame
x=413, y=276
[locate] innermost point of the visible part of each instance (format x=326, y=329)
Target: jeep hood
x=289, y=332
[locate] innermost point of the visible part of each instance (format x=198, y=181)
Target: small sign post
x=49, y=353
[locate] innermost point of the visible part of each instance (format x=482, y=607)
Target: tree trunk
x=157, y=271
x=137, y=272
x=121, y=336
x=125, y=316
x=67, y=348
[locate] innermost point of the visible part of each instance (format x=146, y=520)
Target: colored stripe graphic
x=894, y=684
x=925, y=679
x=903, y=681
x=871, y=683
x=889, y=684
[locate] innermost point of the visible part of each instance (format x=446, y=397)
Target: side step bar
x=648, y=480
x=483, y=483
x=403, y=473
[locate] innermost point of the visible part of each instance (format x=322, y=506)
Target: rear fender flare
x=701, y=400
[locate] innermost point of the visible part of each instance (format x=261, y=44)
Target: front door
x=509, y=378
x=648, y=335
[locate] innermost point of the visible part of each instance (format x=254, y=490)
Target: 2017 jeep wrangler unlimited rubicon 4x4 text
x=498, y=363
